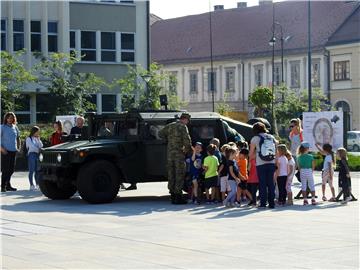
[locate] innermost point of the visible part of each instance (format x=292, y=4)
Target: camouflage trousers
x=176, y=174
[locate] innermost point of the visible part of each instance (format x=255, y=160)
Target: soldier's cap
x=185, y=115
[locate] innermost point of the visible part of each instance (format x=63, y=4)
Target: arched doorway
x=345, y=107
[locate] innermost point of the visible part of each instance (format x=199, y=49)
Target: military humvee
x=123, y=148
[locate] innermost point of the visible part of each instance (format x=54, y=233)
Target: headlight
x=58, y=158
x=41, y=157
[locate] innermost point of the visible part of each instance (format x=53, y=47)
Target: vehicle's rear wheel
x=98, y=182
x=55, y=192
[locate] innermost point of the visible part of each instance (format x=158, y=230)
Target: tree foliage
x=222, y=107
x=261, y=98
x=291, y=104
x=14, y=77
x=135, y=94
x=70, y=89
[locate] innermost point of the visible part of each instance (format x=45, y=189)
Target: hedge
x=353, y=161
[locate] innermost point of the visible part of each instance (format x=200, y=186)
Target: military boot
x=172, y=198
x=179, y=199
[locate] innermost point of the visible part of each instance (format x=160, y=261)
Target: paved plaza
x=141, y=229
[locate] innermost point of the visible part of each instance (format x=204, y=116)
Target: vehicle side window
x=106, y=128
x=203, y=132
x=351, y=136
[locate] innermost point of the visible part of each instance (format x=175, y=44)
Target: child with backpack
x=306, y=165
x=328, y=170
x=33, y=144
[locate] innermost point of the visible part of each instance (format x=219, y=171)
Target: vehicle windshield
x=124, y=129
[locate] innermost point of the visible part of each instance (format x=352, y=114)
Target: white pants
x=307, y=179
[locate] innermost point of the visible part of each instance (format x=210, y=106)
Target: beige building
x=344, y=49
x=242, y=56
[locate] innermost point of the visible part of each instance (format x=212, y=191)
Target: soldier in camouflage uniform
x=179, y=143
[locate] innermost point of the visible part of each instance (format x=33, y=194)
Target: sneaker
x=348, y=199
x=313, y=201
x=324, y=199
x=37, y=187
x=332, y=199
x=10, y=188
x=237, y=204
x=32, y=188
x=305, y=202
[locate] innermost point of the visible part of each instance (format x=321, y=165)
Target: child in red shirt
x=253, y=182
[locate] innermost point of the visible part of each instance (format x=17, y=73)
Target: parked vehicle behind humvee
x=122, y=148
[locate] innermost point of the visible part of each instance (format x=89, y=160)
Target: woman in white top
x=33, y=146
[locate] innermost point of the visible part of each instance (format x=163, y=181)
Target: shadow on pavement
x=140, y=205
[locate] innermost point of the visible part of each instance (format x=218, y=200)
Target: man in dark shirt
x=79, y=128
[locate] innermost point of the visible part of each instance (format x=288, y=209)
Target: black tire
x=53, y=191
x=98, y=182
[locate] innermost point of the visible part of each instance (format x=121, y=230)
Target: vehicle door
x=154, y=151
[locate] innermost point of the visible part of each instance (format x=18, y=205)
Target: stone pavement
x=141, y=229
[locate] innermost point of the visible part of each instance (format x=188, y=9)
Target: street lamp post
x=147, y=77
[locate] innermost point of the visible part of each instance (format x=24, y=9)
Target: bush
x=45, y=132
x=353, y=161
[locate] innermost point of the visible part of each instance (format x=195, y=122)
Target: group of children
x=228, y=176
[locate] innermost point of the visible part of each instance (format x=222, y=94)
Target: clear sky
x=167, y=9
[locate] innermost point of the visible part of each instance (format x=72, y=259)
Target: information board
x=324, y=127
x=68, y=122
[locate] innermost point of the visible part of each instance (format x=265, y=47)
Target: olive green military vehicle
x=123, y=148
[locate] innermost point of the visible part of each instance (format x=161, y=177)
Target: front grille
x=50, y=158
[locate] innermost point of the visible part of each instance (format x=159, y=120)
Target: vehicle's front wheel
x=55, y=192
x=98, y=182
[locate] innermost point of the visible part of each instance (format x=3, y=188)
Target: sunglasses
x=291, y=126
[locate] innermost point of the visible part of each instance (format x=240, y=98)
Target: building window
x=18, y=37
x=127, y=47
x=35, y=27
x=108, y=49
x=52, y=37
x=277, y=74
x=230, y=80
x=73, y=43
x=22, y=103
x=295, y=74
x=315, y=73
x=173, y=82
x=342, y=70
x=3, y=35
x=88, y=45
x=108, y=103
x=193, y=82
x=258, y=75
x=211, y=83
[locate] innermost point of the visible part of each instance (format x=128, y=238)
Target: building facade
x=242, y=56
x=108, y=34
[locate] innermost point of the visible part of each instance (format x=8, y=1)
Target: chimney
x=241, y=4
x=265, y=2
x=218, y=7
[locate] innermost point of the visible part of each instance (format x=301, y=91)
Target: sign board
x=324, y=127
x=68, y=122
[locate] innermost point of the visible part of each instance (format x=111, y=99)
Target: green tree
x=14, y=77
x=261, y=98
x=70, y=89
x=223, y=107
x=291, y=104
x=135, y=95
